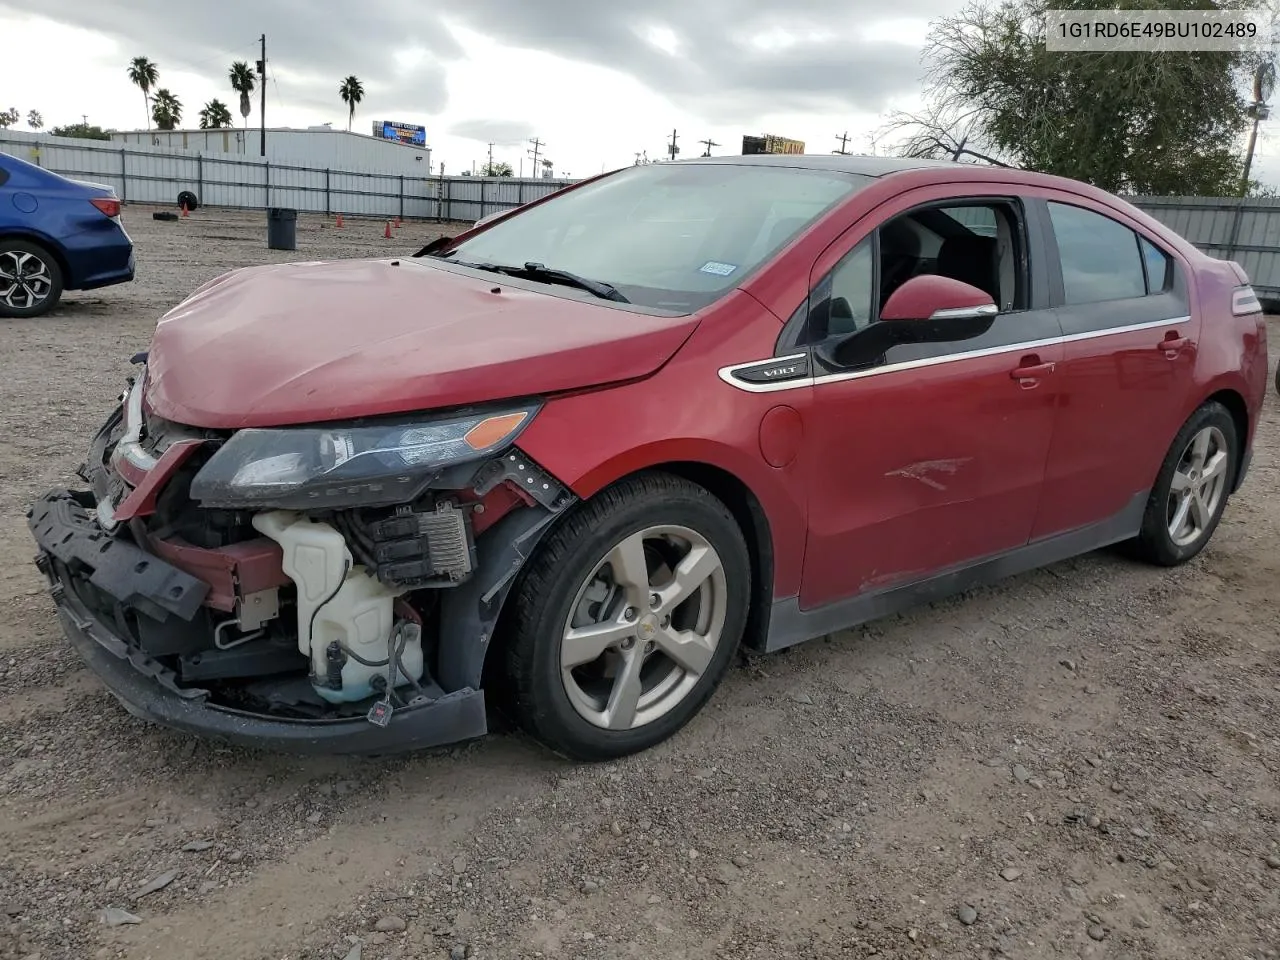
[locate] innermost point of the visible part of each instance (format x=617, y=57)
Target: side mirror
x=925, y=309
x=941, y=301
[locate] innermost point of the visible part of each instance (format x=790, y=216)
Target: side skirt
x=789, y=625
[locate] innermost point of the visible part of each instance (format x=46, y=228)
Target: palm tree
x=35, y=120
x=352, y=92
x=215, y=115
x=242, y=82
x=144, y=74
x=166, y=110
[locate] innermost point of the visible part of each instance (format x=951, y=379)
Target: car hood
x=308, y=342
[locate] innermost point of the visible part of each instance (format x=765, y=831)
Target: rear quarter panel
x=1233, y=349
x=685, y=412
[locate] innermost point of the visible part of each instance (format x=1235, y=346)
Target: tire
x=164, y=215
x=42, y=287
x=567, y=585
x=190, y=199
x=1278, y=378
x=1211, y=424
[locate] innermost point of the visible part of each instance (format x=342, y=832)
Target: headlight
x=308, y=467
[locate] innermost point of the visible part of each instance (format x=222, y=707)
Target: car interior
x=975, y=244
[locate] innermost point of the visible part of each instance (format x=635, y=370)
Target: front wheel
x=30, y=279
x=1191, y=489
x=628, y=618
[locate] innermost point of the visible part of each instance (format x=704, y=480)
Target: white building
x=313, y=147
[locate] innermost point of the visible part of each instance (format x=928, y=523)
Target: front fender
x=592, y=440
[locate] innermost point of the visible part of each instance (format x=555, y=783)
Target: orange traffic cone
x=184, y=209
x=397, y=223
x=387, y=232
x=339, y=224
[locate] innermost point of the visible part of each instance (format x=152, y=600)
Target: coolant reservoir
x=339, y=602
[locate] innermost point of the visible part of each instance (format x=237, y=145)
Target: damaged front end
x=323, y=588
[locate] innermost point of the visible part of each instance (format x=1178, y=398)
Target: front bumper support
x=70, y=544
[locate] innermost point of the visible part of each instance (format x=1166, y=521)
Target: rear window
x=671, y=237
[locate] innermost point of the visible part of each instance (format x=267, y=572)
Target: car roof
x=838, y=163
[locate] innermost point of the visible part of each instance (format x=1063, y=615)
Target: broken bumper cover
x=69, y=539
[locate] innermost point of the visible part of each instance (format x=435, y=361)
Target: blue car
x=56, y=234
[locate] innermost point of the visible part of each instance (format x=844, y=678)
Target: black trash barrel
x=282, y=228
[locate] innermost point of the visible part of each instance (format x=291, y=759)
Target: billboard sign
x=770, y=143
x=412, y=134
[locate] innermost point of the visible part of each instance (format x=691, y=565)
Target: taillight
x=108, y=206
x=1244, y=301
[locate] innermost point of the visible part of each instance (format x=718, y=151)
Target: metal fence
x=1246, y=231
x=141, y=174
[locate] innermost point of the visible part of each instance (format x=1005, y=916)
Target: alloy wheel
x=644, y=627
x=25, y=279
x=1198, y=486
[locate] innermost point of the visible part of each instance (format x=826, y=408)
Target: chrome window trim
x=726, y=373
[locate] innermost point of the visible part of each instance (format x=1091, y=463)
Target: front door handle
x=1031, y=371
x=1172, y=343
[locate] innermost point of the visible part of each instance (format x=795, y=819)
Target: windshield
x=672, y=237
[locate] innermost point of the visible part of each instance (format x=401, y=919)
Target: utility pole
x=262, y=72
x=708, y=143
x=844, y=142
x=489, y=169
x=672, y=149
x=537, y=145
x=1263, y=82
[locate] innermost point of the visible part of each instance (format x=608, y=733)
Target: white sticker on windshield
x=719, y=269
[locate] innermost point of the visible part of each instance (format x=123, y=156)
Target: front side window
x=667, y=236
x=1100, y=258
x=843, y=302
x=978, y=243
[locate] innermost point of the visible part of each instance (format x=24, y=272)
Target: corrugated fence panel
x=1246, y=231
x=233, y=183
x=142, y=173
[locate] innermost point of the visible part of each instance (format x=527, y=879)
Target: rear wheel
x=1191, y=489
x=30, y=279
x=628, y=617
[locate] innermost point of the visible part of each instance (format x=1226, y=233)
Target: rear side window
x=1101, y=259
x=4, y=176
x=1158, y=266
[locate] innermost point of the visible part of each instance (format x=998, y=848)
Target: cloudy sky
x=596, y=80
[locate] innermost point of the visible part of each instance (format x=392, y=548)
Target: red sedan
x=568, y=461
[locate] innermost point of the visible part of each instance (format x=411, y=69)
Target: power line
x=844, y=142
x=672, y=149
x=708, y=143
x=537, y=146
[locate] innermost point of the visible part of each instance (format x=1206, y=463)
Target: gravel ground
x=1080, y=762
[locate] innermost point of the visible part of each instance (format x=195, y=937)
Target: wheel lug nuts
x=629, y=613
x=628, y=643
x=666, y=622
x=654, y=600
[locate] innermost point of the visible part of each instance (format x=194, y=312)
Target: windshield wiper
x=538, y=271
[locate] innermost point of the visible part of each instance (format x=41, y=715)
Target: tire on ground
x=190, y=199
x=56, y=280
x=548, y=586
x=1155, y=543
